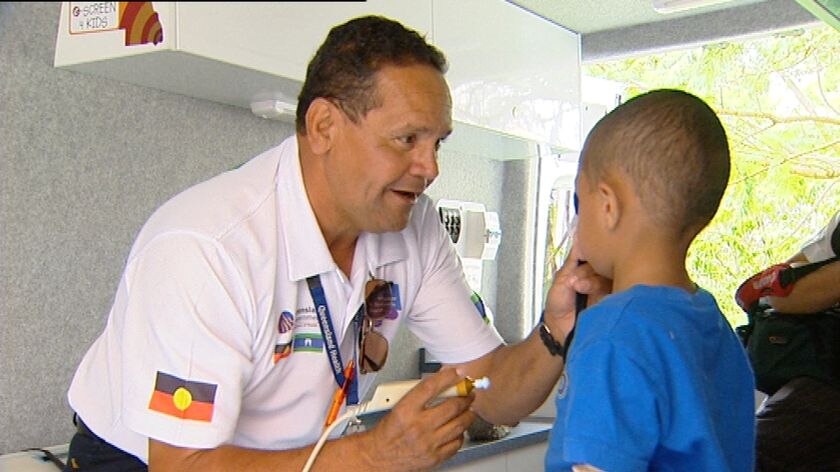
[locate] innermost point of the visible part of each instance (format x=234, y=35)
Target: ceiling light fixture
x=672, y=6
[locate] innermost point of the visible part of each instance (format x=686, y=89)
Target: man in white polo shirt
x=798, y=426
x=250, y=299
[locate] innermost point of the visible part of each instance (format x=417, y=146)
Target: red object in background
x=770, y=282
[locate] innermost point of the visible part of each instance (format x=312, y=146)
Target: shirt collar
x=382, y=249
x=307, y=253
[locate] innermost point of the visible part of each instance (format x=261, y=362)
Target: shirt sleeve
x=826, y=243
x=607, y=417
x=449, y=319
x=187, y=322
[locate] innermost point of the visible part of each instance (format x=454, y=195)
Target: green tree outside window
x=779, y=100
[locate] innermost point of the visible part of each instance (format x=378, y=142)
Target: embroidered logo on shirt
x=306, y=342
x=185, y=399
x=394, y=312
x=285, y=325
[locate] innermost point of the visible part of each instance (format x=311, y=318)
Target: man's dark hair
x=344, y=66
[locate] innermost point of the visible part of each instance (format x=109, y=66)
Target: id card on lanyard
x=322, y=312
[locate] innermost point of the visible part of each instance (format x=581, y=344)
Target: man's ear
x=322, y=119
x=610, y=205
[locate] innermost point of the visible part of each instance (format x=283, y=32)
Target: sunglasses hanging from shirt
x=373, y=346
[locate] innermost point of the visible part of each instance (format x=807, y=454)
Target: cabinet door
x=496, y=463
x=279, y=37
x=511, y=70
x=527, y=458
x=226, y=52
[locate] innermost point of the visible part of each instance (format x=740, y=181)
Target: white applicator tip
x=482, y=383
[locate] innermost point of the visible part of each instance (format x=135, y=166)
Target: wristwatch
x=554, y=348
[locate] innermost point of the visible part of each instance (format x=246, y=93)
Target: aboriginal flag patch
x=184, y=399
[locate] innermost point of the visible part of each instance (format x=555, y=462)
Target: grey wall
x=85, y=160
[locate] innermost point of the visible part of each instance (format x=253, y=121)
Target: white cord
x=323, y=439
x=384, y=398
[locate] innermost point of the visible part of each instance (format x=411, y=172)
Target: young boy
x=655, y=378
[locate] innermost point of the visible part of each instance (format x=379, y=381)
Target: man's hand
x=416, y=436
x=573, y=277
x=768, y=283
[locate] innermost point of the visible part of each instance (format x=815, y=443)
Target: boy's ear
x=610, y=205
x=322, y=120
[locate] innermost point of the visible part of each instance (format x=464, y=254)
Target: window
x=555, y=216
x=778, y=97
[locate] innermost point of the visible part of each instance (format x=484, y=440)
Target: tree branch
x=779, y=119
x=813, y=150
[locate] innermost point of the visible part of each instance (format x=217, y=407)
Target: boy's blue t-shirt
x=656, y=379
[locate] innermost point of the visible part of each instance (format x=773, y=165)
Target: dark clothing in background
x=88, y=452
x=798, y=428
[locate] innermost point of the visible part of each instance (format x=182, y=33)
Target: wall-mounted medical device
x=475, y=232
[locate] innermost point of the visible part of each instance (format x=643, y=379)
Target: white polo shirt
x=213, y=339
x=824, y=244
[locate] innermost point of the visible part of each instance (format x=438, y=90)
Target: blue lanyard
x=322, y=312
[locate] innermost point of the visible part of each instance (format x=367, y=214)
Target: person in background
x=798, y=427
x=656, y=378
x=250, y=302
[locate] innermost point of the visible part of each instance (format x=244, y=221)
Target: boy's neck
x=643, y=251
x=654, y=263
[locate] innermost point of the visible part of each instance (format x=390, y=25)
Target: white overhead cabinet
x=510, y=70
x=226, y=52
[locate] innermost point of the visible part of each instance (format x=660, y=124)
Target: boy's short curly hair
x=344, y=66
x=673, y=148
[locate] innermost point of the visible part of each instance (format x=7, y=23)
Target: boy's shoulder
x=648, y=308
x=640, y=296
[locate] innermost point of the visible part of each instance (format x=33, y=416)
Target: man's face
x=381, y=165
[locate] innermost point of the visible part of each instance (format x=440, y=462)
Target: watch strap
x=554, y=347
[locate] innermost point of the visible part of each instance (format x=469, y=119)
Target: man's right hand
x=417, y=436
